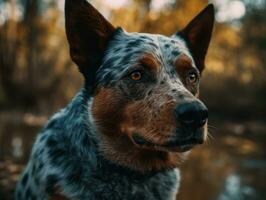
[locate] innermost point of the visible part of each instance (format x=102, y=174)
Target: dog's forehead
x=156, y=44
x=127, y=48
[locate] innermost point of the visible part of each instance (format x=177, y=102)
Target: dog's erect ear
x=198, y=33
x=88, y=33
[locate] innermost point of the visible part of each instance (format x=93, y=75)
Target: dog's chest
x=118, y=186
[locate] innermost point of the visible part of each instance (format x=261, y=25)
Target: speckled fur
x=65, y=155
x=69, y=155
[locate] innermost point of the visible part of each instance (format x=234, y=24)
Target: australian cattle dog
x=125, y=133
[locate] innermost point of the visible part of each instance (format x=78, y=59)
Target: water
x=232, y=166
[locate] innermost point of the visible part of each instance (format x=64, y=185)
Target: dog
x=124, y=135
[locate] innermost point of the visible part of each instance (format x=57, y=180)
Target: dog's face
x=145, y=86
x=147, y=89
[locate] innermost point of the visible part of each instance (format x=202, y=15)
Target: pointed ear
x=88, y=33
x=198, y=33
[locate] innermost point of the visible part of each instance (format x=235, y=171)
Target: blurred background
x=37, y=78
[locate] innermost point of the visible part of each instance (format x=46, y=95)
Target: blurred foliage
x=36, y=73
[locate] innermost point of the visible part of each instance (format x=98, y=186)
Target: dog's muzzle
x=191, y=117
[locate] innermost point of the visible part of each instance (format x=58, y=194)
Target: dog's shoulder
x=69, y=132
x=64, y=146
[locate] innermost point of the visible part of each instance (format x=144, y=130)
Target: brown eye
x=192, y=78
x=136, y=75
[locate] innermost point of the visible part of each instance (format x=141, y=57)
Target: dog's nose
x=192, y=114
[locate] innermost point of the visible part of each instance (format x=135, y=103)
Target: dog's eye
x=136, y=75
x=192, y=78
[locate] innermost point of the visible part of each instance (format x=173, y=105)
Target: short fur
x=115, y=138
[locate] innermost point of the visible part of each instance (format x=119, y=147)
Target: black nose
x=192, y=114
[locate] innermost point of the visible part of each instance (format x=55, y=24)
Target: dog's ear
x=88, y=33
x=197, y=35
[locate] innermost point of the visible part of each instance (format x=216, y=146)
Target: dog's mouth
x=173, y=144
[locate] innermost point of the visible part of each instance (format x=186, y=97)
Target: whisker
x=209, y=137
x=212, y=127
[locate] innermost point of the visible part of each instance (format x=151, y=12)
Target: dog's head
x=145, y=86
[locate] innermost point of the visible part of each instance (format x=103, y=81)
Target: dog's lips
x=181, y=146
x=141, y=141
x=173, y=145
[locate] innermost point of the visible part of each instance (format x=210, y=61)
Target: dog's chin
x=172, y=145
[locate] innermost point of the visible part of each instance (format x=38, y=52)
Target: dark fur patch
x=153, y=45
x=56, y=154
x=166, y=46
x=28, y=193
x=25, y=179
x=51, y=181
x=134, y=43
x=175, y=53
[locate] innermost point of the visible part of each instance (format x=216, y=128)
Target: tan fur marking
x=116, y=120
x=183, y=63
x=150, y=62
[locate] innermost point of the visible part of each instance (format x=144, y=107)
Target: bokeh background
x=37, y=78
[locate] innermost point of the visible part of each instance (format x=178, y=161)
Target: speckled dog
x=138, y=115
